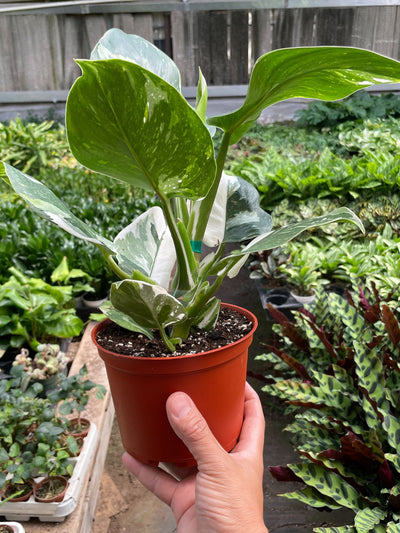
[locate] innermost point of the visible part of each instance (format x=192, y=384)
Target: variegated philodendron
x=344, y=387
x=126, y=118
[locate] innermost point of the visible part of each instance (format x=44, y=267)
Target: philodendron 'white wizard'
x=126, y=118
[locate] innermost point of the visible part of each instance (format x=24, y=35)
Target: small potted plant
x=45, y=366
x=73, y=392
x=56, y=468
x=126, y=118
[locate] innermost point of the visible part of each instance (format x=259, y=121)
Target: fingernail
x=179, y=405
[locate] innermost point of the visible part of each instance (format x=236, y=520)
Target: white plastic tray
x=17, y=527
x=56, y=512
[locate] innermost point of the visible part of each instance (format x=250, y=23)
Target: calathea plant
x=343, y=383
x=126, y=118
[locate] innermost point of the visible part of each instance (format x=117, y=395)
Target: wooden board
x=38, y=50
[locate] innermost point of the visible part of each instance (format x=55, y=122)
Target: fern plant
x=344, y=386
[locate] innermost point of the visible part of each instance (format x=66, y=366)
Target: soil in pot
x=79, y=427
x=209, y=366
x=51, y=489
x=231, y=327
x=6, y=529
x=18, y=493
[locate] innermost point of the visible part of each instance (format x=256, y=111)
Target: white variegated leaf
x=146, y=245
x=50, y=207
x=151, y=306
x=281, y=236
x=115, y=44
x=208, y=316
x=124, y=320
x=234, y=271
x=215, y=229
x=244, y=217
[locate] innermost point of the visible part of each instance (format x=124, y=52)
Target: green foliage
x=37, y=248
x=34, y=312
x=340, y=373
x=346, y=162
x=361, y=105
x=73, y=393
x=32, y=146
x=30, y=432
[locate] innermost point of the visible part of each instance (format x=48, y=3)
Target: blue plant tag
x=196, y=246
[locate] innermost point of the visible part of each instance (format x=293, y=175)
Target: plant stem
x=184, y=270
x=208, y=202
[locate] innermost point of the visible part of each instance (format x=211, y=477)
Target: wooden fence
x=37, y=50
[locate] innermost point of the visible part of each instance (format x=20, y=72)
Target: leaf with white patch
x=151, y=306
x=123, y=320
x=50, y=207
x=116, y=44
x=244, y=217
x=236, y=215
x=146, y=245
x=281, y=236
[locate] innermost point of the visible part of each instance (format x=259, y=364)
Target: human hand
x=225, y=494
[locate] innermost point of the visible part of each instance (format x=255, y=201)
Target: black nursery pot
x=281, y=299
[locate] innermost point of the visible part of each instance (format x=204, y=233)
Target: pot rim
x=248, y=337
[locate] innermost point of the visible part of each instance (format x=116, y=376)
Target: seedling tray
x=56, y=512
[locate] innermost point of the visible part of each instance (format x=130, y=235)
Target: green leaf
x=244, y=217
x=126, y=122
x=149, y=305
x=14, y=450
x=201, y=97
x=61, y=272
x=366, y=519
x=281, y=236
x=328, y=483
x=50, y=207
x=392, y=428
x=146, y=245
x=67, y=325
x=312, y=497
x=394, y=459
x=326, y=73
x=123, y=320
x=370, y=374
x=340, y=529
x=393, y=527
x=115, y=44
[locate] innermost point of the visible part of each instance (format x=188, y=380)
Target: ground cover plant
x=337, y=367
x=349, y=159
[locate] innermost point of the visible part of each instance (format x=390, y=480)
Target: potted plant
x=73, y=392
x=56, y=469
x=126, y=118
x=45, y=366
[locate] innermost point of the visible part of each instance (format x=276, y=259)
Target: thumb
x=190, y=426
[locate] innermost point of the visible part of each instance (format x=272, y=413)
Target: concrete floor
x=127, y=507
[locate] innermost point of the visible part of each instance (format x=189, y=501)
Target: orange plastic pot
x=140, y=386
